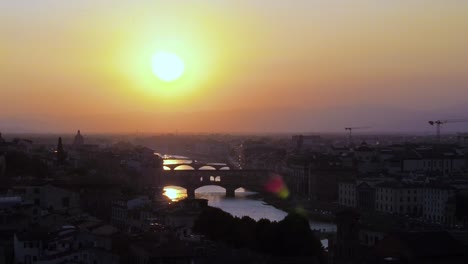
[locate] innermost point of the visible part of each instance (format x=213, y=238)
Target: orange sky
x=87, y=65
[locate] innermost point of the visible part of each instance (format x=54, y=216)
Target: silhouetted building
x=2, y=165
x=61, y=156
x=308, y=142
x=79, y=140
x=345, y=248
x=420, y=247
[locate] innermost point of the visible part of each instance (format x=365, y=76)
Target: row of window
x=389, y=208
x=389, y=190
x=34, y=244
x=408, y=199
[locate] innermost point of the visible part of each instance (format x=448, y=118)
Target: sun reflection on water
x=175, y=193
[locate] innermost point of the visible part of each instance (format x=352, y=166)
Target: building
x=359, y=193
x=366, y=159
x=441, y=160
x=347, y=193
x=346, y=246
x=68, y=244
x=308, y=142
x=78, y=140
x=130, y=214
x=439, y=204
x=2, y=165
x=399, y=198
x=29, y=247
x=316, y=176
x=420, y=247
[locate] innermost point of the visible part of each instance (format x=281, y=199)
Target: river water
x=242, y=205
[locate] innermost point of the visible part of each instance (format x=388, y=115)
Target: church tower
x=79, y=140
x=61, y=156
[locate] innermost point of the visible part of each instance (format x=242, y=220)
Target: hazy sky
x=251, y=65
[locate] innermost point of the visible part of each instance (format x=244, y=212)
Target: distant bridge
x=197, y=166
x=252, y=180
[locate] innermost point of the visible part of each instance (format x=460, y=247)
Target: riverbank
x=313, y=212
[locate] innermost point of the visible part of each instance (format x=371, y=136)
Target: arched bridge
x=252, y=180
x=198, y=166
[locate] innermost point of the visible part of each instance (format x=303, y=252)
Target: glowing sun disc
x=167, y=66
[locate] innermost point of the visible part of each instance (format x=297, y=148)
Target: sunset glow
x=269, y=67
x=167, y=66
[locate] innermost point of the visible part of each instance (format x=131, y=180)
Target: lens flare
x=277, y=186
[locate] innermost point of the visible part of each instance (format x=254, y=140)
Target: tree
x=290, y=237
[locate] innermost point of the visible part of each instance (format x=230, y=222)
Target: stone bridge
x=252, y=180
x=199, y=166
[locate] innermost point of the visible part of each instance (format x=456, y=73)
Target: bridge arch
x=207, y=167
x=213, y=188
x=191, y=179
x=184, y=167
x=216, y=187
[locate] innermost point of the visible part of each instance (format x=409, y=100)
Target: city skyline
x=250, y=66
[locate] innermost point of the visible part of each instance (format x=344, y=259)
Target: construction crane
x=350, y=135
x=439, y=123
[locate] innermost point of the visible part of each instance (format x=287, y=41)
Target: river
x=242, y=205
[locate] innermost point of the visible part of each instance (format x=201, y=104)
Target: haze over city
x=250, y=66
x=234, y=131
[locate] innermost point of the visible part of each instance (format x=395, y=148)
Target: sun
x=167, y=66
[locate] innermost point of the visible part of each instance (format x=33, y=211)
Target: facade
x=365, y=196
x=48, y=196
x=399, y=198
x=441, y=160
x=28, y=247
x=316, y=177
x=439, y=205
x=359, y=194
x=130, y=214
x=65, y=245
x=347, y=194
